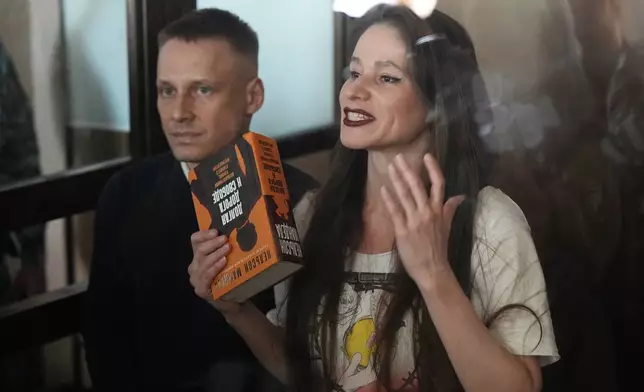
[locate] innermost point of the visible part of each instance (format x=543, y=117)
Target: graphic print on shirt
x=511, y=275
x=356, y=335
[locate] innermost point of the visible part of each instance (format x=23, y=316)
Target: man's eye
x=166, y=92
x=354, y=74
x=204, y=90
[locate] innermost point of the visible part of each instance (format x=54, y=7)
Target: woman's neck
x=378, y=231
x=378, y=163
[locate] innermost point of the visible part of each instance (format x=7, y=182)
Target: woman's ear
x=254, y=96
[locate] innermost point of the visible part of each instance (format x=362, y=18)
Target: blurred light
x=357, y=8
x=422, y=8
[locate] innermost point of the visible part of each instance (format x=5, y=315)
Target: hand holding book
x=241, y=192
x=209, y=259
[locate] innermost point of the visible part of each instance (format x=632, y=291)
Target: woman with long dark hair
x=417, y=275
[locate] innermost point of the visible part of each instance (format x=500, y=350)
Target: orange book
x=241, y=192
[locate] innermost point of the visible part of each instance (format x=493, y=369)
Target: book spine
x=269, y=166
x=275, y=190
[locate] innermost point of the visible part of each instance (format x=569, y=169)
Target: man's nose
x=183, y=108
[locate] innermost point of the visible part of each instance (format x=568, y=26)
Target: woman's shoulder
x=303, y=211
x=502, y=234
x=506, y=272
x=497, y=211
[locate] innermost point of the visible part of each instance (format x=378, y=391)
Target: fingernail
x=227, y=246
x=212, y=232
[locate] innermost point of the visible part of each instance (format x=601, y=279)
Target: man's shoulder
x=155, y=165
x=299, y=182
x=139, y=176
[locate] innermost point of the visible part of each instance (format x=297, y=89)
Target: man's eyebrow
x=194, y=81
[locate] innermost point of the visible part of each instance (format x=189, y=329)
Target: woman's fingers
x=202, y=236
x=202, y=280
x=395, y=212
x=209, y=275
x=210, y=245
x=437, y=193
x=403, y=195
x=413, y=182
x=210, y=250
x=213, y=257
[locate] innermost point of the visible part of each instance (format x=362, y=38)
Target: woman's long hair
x=445, y=73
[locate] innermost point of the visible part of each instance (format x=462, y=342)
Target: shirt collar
x=185, y=169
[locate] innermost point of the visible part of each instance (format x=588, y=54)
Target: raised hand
x=421, y=222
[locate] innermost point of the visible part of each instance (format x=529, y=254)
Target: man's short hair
x=213, y=23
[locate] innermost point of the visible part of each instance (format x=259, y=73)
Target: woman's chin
x=350, y=139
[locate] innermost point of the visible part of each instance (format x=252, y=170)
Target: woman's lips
x=357, y=117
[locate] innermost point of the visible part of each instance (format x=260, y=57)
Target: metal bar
x=41, y=319
x=55, y=196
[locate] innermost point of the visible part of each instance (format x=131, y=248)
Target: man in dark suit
x=145, y=328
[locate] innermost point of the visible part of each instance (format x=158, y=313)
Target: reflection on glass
x=21, y=261
x=96, y=63
x=561, y=110
x=565, y=81
x=21, y=273
x=63, y=103
x=297, y=68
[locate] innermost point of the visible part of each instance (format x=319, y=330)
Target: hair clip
x=429, y=38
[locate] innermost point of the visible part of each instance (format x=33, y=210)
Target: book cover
x=242, y=193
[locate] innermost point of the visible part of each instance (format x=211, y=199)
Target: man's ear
x=254, y=96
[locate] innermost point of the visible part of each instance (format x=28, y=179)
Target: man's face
x=206, y=95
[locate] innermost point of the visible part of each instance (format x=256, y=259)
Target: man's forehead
x=214, y=55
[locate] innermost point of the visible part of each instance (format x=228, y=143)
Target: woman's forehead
x=381, y=43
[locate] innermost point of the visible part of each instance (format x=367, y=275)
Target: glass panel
x=23, y=152
x=95, y=34
x=19, y=158
x=295, y=61
x=96, y=61
x=64, y=67
x=64, y=102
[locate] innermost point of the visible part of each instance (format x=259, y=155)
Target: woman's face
x=380, y=107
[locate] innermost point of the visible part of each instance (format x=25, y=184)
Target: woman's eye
x=389, y=79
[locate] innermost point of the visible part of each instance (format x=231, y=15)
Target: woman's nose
x=357, y=89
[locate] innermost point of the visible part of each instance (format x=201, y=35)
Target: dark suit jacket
x=145, y=328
